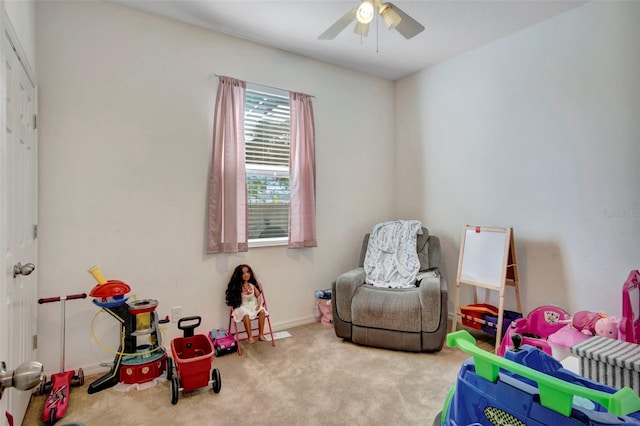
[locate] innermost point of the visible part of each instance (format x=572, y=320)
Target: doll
x=596, y=324
x=243, y=295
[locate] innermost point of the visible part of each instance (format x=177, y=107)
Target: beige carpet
x=310, y=378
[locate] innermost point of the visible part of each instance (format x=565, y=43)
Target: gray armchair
x=408, y=319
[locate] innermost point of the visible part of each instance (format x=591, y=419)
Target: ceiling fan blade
x=408, y=26
x=340, y=25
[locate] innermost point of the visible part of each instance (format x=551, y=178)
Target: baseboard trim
x=281, y=326
x=102, y=367
x=96, y=369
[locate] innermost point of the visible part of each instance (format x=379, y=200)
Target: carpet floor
x=310, y=378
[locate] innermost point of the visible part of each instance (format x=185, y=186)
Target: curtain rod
x=263, y=85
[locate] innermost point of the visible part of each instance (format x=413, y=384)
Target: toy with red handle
x=60, y=384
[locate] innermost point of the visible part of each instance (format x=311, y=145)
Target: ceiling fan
x=392, y=16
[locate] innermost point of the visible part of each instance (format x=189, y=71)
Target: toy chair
x=239, y=335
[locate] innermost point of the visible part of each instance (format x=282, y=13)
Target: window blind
x=267, y=131
x=267, y=122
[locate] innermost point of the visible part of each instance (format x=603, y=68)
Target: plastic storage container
x=492, y=322
x=476, y=311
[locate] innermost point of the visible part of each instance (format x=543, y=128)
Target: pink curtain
x=302, y=173
x=227, y=188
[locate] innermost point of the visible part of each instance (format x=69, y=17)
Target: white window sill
x=268, y=242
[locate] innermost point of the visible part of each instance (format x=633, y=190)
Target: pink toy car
x=536, y=328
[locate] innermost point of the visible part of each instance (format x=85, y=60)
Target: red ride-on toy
x=60, y=384
x=190, y=367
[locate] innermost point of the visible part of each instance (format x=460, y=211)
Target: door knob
x=25, y=377
x=19, y=269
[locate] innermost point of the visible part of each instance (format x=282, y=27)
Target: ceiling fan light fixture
x=365, y=12
x=363, y=15
x=361, y=29
x=390, y=16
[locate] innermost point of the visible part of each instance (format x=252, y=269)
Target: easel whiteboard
x=487, y=259
x=484, y=256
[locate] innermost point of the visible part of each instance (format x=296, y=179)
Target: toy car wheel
x=78, y=378
x=437, y=420
x=42, y=389
x=52, y=417
x=216, y=380
x=169, y=368
x=175, y=388
x=215, y=352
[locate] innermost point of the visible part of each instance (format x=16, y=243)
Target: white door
x=18, y=297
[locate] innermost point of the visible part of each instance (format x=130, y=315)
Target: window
x=267, y=124
x=279, y=208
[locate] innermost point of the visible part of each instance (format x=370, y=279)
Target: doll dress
x=248, y=307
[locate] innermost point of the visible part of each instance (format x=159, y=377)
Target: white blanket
x=391, y=259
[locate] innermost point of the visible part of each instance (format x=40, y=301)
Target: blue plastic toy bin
x=492, y=322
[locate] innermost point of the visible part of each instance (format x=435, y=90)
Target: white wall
x=126, y=109
x=23, y=16
x=538, y=131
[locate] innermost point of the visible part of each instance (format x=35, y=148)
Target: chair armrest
x=433, y=299
x=345, y=287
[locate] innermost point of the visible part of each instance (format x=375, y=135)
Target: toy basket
x=193, y=357
x=473, y=316
x=190, y=366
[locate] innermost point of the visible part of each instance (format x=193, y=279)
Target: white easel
x=487, y=260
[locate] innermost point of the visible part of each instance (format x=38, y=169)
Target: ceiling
x=452, y=27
